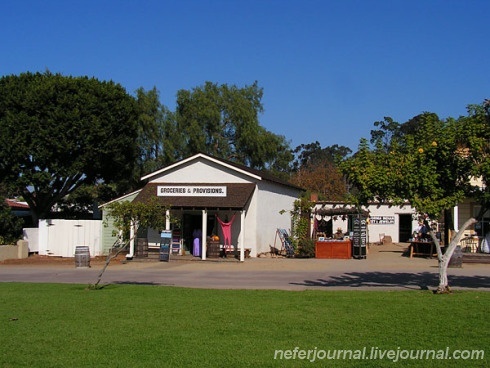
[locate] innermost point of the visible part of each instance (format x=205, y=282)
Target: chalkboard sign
x=165, y=241
x=359, y=237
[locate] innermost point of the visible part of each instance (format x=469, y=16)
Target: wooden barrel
x=212, y=249
x=141, y=248
x=82, y=256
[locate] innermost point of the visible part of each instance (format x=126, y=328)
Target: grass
x=51, y=325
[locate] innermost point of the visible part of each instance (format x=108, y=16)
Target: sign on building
x=382, y=220
x=191, y=191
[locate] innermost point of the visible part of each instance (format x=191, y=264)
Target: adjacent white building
x=384, y=219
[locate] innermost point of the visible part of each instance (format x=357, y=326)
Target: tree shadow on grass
x=396, y=280
x=135, y=283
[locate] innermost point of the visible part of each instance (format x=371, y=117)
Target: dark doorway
x=405, y=228
x=325, y=227
x=191, y=222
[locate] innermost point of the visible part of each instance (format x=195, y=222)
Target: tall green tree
x=223, y=121
x=313, y=154
x=431, y=163
x=59, y=132
x=317, y=170
x=158, y=141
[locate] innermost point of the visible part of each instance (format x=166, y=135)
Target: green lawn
x=48, y=325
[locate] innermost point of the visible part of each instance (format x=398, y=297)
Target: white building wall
x=271, y=200
x=251, y=225
x=464, y=213
x=392, y=230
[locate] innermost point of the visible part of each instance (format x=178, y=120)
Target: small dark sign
x=166, y=240
x=359, y=237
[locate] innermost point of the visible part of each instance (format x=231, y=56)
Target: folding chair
x=286, y=243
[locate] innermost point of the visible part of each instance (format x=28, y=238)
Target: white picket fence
x=31, y=235
x=60, y=237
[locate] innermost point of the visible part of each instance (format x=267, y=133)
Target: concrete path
x=386, y=268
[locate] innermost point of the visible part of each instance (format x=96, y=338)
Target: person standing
x=196, y=249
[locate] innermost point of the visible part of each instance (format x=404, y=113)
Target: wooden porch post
x=132, y=236
x=242, y=236
x=204, y=232
x=167, y=220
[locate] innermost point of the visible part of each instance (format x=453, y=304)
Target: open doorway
x=404, y=228
x=192, y=222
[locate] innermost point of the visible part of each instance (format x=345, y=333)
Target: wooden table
x=422, y=248
x=339, y=249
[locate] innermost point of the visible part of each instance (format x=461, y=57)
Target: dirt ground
x=36, y=259
x=387, y=267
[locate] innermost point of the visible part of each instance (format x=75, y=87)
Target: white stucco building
x=398, y=222
x=202, y=190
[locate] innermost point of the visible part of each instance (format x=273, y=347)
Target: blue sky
x=329, y=69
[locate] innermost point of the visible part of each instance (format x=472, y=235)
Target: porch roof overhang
x=237, y=196
x=340, y=211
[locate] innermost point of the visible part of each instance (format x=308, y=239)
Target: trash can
x=82, y=256
x=456, y=260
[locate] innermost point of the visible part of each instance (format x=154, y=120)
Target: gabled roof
x=123, y=197
x=238, y=193
x=252, y=173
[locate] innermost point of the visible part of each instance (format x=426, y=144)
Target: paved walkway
x=385, y=268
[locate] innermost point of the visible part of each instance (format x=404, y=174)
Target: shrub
x=306, y=248
x=10, y=225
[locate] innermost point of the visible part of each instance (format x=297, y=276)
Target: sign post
x=359, y=237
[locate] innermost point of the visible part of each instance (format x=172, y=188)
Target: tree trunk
x=443, y=287
x=108, y=260
x=444, y=259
